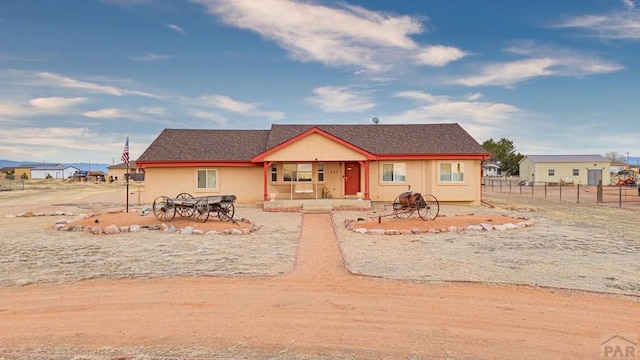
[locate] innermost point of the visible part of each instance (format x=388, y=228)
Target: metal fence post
x=560, y=190
x=578, y=194
x=619, y=196
x=545, y=190
x=599, y=193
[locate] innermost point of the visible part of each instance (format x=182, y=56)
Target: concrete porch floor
x=316, y=205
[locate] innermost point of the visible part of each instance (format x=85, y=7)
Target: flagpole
x=125, y=158
x=127, y=176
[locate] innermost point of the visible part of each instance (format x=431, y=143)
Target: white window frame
x=449, y=176
x=396, y=174
x=321, y=172
x=301, y=173
x=207, y=179
x=273, y=169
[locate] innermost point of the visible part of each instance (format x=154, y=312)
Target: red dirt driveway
x=319, y=308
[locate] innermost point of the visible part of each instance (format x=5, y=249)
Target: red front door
x=351, y=178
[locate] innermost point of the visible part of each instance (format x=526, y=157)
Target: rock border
x=67, y=225
x=352, y=225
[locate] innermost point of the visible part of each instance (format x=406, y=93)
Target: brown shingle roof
x=391, y=139
x=242, y=145
x=205, y=145
x=132, y=164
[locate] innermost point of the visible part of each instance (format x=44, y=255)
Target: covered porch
x=316, y=205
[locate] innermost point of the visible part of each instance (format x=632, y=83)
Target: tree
x=614, y=156
x=504, y=153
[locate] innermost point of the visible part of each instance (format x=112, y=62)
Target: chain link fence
x=10, y=185
x=609, y=195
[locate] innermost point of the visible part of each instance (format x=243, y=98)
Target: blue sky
x=77, y=77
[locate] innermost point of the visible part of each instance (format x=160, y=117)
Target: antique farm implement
x=185, y=205
x=407, y=203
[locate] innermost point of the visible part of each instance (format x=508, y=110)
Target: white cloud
x=540, y=61
x=340, y=99
x=51, y=80
x=439, y=55
x=630, y=4
x=56, y=103
x=442, y=108
x=422, y=96
x=238, y=107
x=474, y=96
x=151, y=57
x=141, y=114
x=43, y=144
x=152, y=111
x=614, y=25
x=41, y=106
x=175, y=27
x=218, y=119
x=107, y=113
x=337, y=36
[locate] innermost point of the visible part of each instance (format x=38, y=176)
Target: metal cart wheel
x=401, y=211
x=226, y=211
x=428, y=207
x=185, y=211
x=164, y=209
x=201, y=211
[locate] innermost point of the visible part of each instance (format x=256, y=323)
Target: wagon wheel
x=226, y=211
x=185, y=211
x=400, y=211
x=428, y=207
x=164, y=209
x=201, y=211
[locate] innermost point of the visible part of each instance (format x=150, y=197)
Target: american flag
x=125, y=153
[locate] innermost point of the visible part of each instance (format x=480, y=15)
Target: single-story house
x=117, y=172
x=7, y=170
x=288, y=162
x=490, y=169
x=56, y=171
x=576, y=169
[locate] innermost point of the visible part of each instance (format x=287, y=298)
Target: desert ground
x=303, y=286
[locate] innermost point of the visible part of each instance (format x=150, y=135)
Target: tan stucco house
x=576, y=169
x=294, y=162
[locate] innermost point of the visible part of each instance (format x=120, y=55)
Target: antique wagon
x=200, y=208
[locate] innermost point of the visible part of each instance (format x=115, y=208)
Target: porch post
x=265, y=173
x=365, y=164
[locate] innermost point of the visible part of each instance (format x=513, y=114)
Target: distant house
x=490, y=169
x=118, y=171
x=7, y=170
x=43, y=171
x=577, y=169
x=289, y=162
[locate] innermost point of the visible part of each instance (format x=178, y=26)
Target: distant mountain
x=81, y=166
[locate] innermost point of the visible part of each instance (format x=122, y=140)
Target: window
x=396, y=172
x=274, y=172
x=320, y=172
x=208, y=179
x=297, y=172
x=576, y=172
x=452, y=172
x=552, y=172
